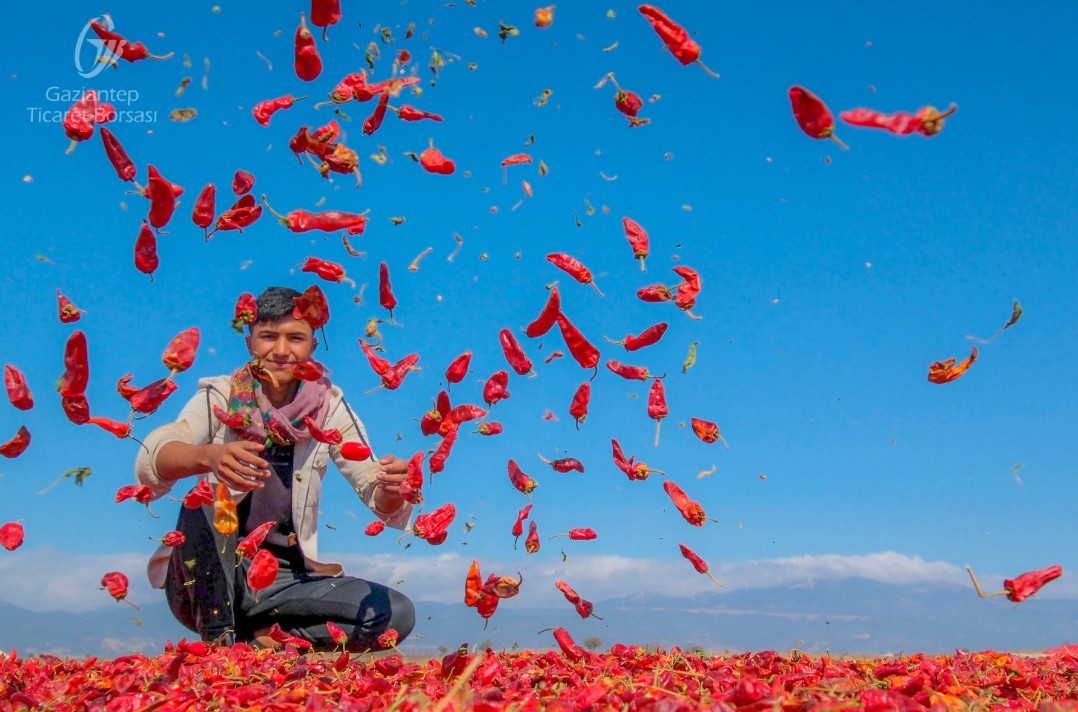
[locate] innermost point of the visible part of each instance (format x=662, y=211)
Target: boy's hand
x=392, y=472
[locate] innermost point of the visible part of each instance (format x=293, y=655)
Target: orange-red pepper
x=690, y=510
x=675, y=37
x=574, y=268
x=947, y=371
x=68, y=312
x=17, y=390
x=179, y=355
x=699, y=564
x=522, y=482
x=707, y=431
x=928, y=121
x=263, y=570
x=312, y=307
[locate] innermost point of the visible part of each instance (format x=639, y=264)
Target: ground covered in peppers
x=627, y=677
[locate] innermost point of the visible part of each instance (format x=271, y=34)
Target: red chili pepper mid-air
x=233, y=420
x=928, y=121
x=12, y=535
x=574, y=268
x=647, y=337
x=630, y=373
x=627, y=102
x=329, y=436
x=121, y=162
x=394, y=377
x=515, y=160
x=514, y=353
x=373, y=122
x=79, y=119
x=355, y=451
x=532, y=543
x=162, y=194
x=118, y=45
x=494, y=389
x=947, y=371
x=638, y=240
x=490, y=427
x=441, y=453
x=433, y=161
x=385, y=291
x=675, y=37
x=307, y=62
x=410, y=113
x=547, y=316
x=583, y=608
x=329, y=221
x=200, y=495
x=329, y=271
x=309, y=370
x=654, y=293
x=582, y=350
x=578, y=408
x=707, y=431
x=688, y=290
x=565, y=464
x=17, y=390
x=205, y=208
x=375, y=528
x=380, y=365
x=76, y=362
x=325, y=13
x=657, y=408
x=249, y=545
x=813, y=116
x=146, y=260
x=522, y=482
x=246, y=311
x=690, y=510
x=312, y=307
x=242, y=182
x=433, y=526
x=67, y=311
x=579, y=534
x=147, y=400
x=263, y=570
x=114, y=427
x=179, y=355
x=1023, y=586
x=116, y=584
x=699, y=564
x=518, y=525
x=77, y=409
x=458, y=368
x=633, y=470
x=17, y=445
x=263, y=111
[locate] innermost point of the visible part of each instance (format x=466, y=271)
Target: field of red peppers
x=196, y=677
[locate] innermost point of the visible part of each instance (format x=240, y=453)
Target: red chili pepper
x=147, y=400
x=105, y=113
x=307, y=62
x=17, y=390
x=394, y=377
x=1022, y=586
x=582, y=350
x=521, y=481
x=79, y=119
x=441, y=454
x=648, y=336
x=675, y=37
x=121, y=47
x=12, y=535
x=458, y=368
x=627, y=102
x=205, y=207
x=115, y=427
x=200, y=495
x=76, y=362
x=325, y=13
x=553, y=355
x=312, y=307
x=657, y=409
x=473, y=586
x=17, y=445
x=630, y=373
x=264, y=110
x=328, y=221
x=309, y=370
x=246, y=311
x=515, y=160
x=179, y=355
x=654, y=293
x=68, y=312
x=329, y=436
x=242, y=182
x=518, y=526
x=116, y=584
x=77, y=409
x=578, y=408
x=812, y=115
x=354, y=451
x=707, y=431
x=464, y=413
x=249, y=545
x=146, y=260
x=568, y=646
x=385, y=290
x=243, y=213
x=379, y=364
x=579, y=534
x=433, y=161
x=162, y=194
x=690, y=510
x=235, y=421
x=263, y=570
x=633, y=469
x=139, y=493
x=490, y=428
x=928, y=121
x=547, y=317
x=125, y=167
x=573, y=267
x=565, y=464
x=410, y=113
x=532, y=543
x=514, y=353
x=433, y=526
x=373, y=122
x=329, y=271
x=173, y=539
x=495, y=388
x=583, y=608
x=699, y=564
x=375, y=528
x=947, y=371
x=411, y=489
x=638, y=240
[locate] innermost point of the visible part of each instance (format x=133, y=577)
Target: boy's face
x=281, y=343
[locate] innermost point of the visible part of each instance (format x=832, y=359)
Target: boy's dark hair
x=276, y=303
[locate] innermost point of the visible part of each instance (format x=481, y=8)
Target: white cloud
x=46, y=579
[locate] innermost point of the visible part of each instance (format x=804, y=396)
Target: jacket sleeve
x=196, y=425
x=363, y=476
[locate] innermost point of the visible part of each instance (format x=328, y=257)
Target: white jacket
x=197, y=425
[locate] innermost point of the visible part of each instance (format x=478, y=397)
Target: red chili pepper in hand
x=200, y=495
x=522, y=482
x=125, y=167
x=264, y=110
x=547, y=317
x=675, y=37
x=573, y=267
x=17, y=390
x=116, y=584
x=630, y=373
x=707, y=431
x=638, y=240
x=312, y=307
x=495, y=388
x=307, y=62
x=532, y=543
x=565, y=464
x=77, y=409
x=654, y=293
x=410, y=113
x=146, y=260
x=147, y=400
x=690, y=510
x=568, y=646
x=354, y=451
x=12, y=535
x=373, y=122
x=179, y=355
x=375, y=528
x=68, y=312
x=235, y=421
x=813, y=116
x=582, y=350
x=385, y=291
x=458, y=368
x=433, y=526
x=17, y=445
x=583, y=608
x=79, y=119
x=947, y=371
x=518, y=526
x=246, y=311
x=648, y=336
x=514, y=353
x=263, y=570
x=657, y=409
x=699, y=564
x=76, y=362
x=118, y=45
x=578, y=408
x=433, y=161
x=928, y=121
x=411, y=489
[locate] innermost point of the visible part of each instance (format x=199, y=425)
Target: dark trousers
x=208, y=594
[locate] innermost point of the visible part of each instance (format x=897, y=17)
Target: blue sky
x=831, y=279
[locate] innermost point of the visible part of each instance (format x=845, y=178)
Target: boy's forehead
x=284, y=325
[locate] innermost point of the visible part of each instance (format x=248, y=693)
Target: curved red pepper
x=578, y=408
x=433, y=161
x=518, y=526
x=147, y=400
x=522, y=482
x=329, y=436
x=675, y=37
x=433, y=526
x=565, y=464
x=231, y=420
x=329, y=271
x=654, y=293
x=690, y=510
x=411, y=489
x=146, y=260
x=375, y=528
x=574, y=268
x=547, y=317
x=123, y=48
x=457, y=369
x=812, y=115
x=17, y=390
x=514, y=353
x=630, y=373
x=308, y=370
x=489, y=427
x=410, y=113
x=325, y=13
x=205, y=207
x=707, y=431
x=582, y=350
x=380, y=365
x=568, y=646
x=699, y=564
x=374, y=121
x=17, y=445
x=441, y=454
x=385, y=290
x=77, y=409
x=647, y=337
x=76, y=362
x=263, y=111
x=125, y=167
x=263, y=570
x=179, y=355
x=494, y=389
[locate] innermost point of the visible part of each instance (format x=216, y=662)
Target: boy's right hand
x=238, y=465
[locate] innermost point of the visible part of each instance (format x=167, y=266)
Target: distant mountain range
x=853, y=616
